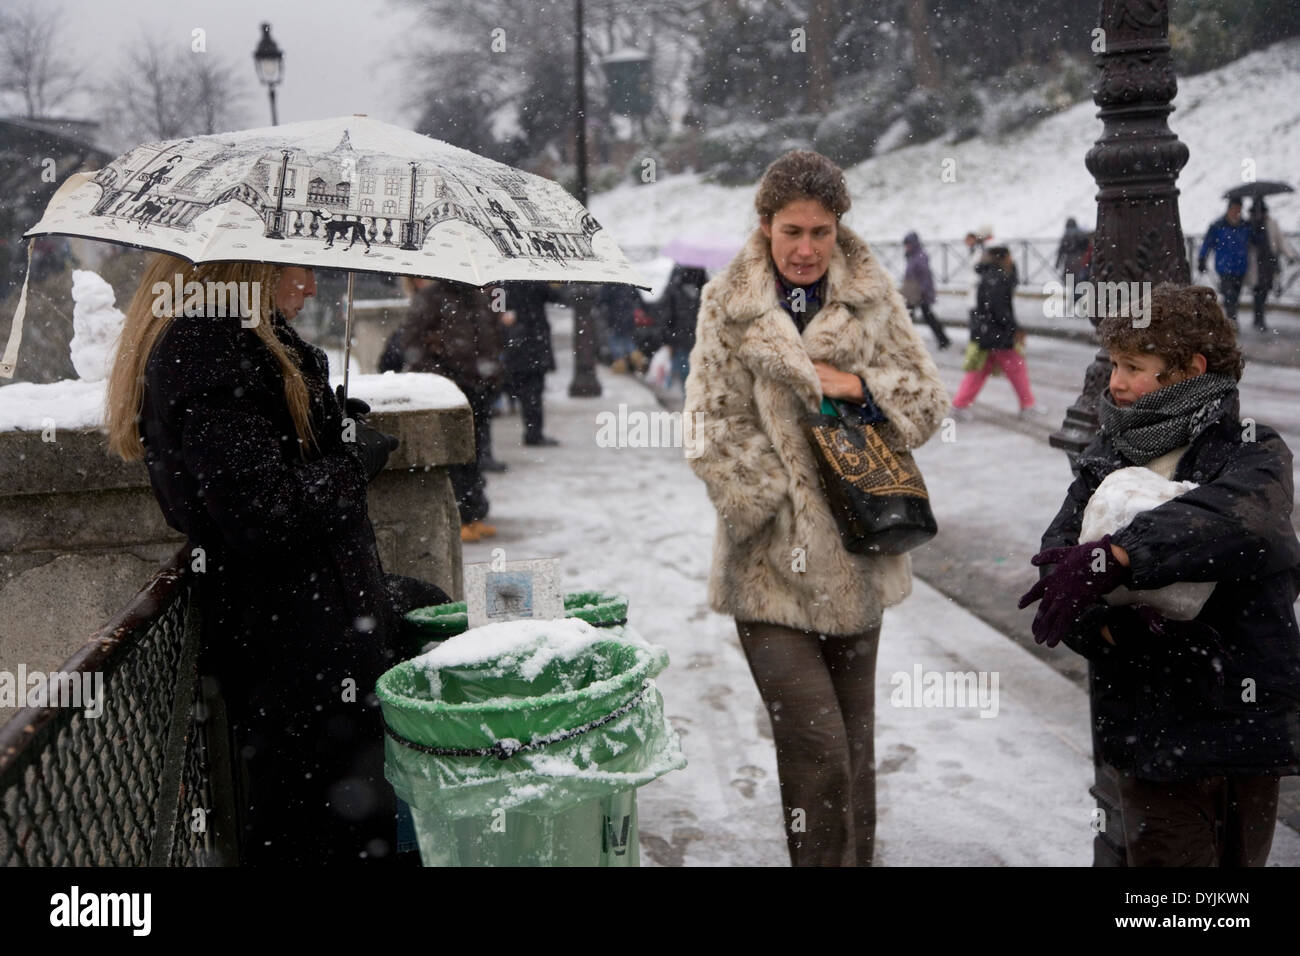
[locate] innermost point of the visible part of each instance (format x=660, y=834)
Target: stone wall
x=80, y=531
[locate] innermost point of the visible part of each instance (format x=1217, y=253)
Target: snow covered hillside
x=1024, y=184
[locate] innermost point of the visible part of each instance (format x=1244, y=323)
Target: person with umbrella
x=1229, y=239
x=260, y=465
x=1267, y=244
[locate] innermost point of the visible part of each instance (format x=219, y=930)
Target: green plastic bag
x=441, y=621
x=523, y=744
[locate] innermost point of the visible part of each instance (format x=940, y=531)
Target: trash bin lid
x=517, y=680
x=441, y=621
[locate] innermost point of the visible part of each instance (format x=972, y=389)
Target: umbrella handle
x=347, y=337
x=10, y=360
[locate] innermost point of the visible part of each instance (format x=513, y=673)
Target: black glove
x=372, y=448
x=352, y=407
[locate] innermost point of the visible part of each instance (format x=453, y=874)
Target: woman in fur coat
x=805, y=311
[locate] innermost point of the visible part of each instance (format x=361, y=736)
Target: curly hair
x=1184, y=321
x=802, y=174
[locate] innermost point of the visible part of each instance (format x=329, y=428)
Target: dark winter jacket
x=452, y=331
x=993, y=323
x=528, y=349
x=679, y=309
x=1072, y=253
x=1231, y=245
x=918, y=281
x=617, y=305
x=1168, y=709
x=294, y=602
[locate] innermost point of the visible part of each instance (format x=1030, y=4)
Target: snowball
x=96, y=325
x=1122, y=496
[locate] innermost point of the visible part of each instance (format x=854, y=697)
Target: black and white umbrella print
x=346, y=193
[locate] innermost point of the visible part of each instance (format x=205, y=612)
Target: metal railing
x=133, y=785
x=1036, y=264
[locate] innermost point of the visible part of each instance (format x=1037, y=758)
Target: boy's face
x=1134, y=374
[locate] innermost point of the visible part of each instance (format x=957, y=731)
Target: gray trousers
x=820, y=694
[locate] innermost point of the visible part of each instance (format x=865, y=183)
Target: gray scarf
x=1165, y=419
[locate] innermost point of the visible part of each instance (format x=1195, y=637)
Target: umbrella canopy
x=703, y=252
x=347, y=193
x=1257, y=189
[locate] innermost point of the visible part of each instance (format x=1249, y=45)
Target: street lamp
x=269, y=61
x=585, y=384
x=1139, y=238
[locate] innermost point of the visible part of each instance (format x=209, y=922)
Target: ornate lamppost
x=1139, y=238
x=269, y=60
x=585, y=384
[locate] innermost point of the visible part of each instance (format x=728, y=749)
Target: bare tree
x=166, y=91
x=924, y=60
x=819, y=65
x=34, y=62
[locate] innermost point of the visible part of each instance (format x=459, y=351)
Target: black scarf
x=1165, y=419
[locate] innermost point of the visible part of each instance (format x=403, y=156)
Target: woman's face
x=295, y=286
x=801, y=235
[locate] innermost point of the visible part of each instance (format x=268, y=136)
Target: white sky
x=340, y=55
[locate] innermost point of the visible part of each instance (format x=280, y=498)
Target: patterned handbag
x=877, y=495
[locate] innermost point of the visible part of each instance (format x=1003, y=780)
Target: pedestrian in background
x=1229, y=239
x=918, y=286
x=452, y=331
x=528, y=352
x=1267, y=245
x=995, y=338
x=679, y=311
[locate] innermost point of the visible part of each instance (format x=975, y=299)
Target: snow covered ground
x=954, y=788
x=1241, y=118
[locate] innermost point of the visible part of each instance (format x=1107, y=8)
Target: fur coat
x=777, y=556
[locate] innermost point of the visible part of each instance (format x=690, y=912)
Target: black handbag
x=876, y=494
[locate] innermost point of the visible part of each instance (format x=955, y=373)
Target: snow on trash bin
x=522, y=743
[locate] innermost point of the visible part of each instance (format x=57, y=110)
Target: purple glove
x=1071, y=586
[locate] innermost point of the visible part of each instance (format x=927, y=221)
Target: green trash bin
x=523, y=744
x=441, y=621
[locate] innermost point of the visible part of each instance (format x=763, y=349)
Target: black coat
x=1168, y=709
x=295, y=606
x=993, y=323
x=527, y=343
x=452, y=331
x=679, y=309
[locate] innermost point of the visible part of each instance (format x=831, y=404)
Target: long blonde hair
x=143, y=329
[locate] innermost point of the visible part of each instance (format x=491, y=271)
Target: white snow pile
x=96, y=325
x=1121, y=497
x=524, y=647
x=71, y=403
x=403, y=391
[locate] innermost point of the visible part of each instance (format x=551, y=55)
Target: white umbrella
x=346, y=193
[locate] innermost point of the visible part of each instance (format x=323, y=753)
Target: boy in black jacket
x=1199, y=717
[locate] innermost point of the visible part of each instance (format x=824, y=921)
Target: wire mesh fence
x=127, y=781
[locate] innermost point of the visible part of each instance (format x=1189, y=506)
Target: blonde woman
x=805, y=312
x=245, y=446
